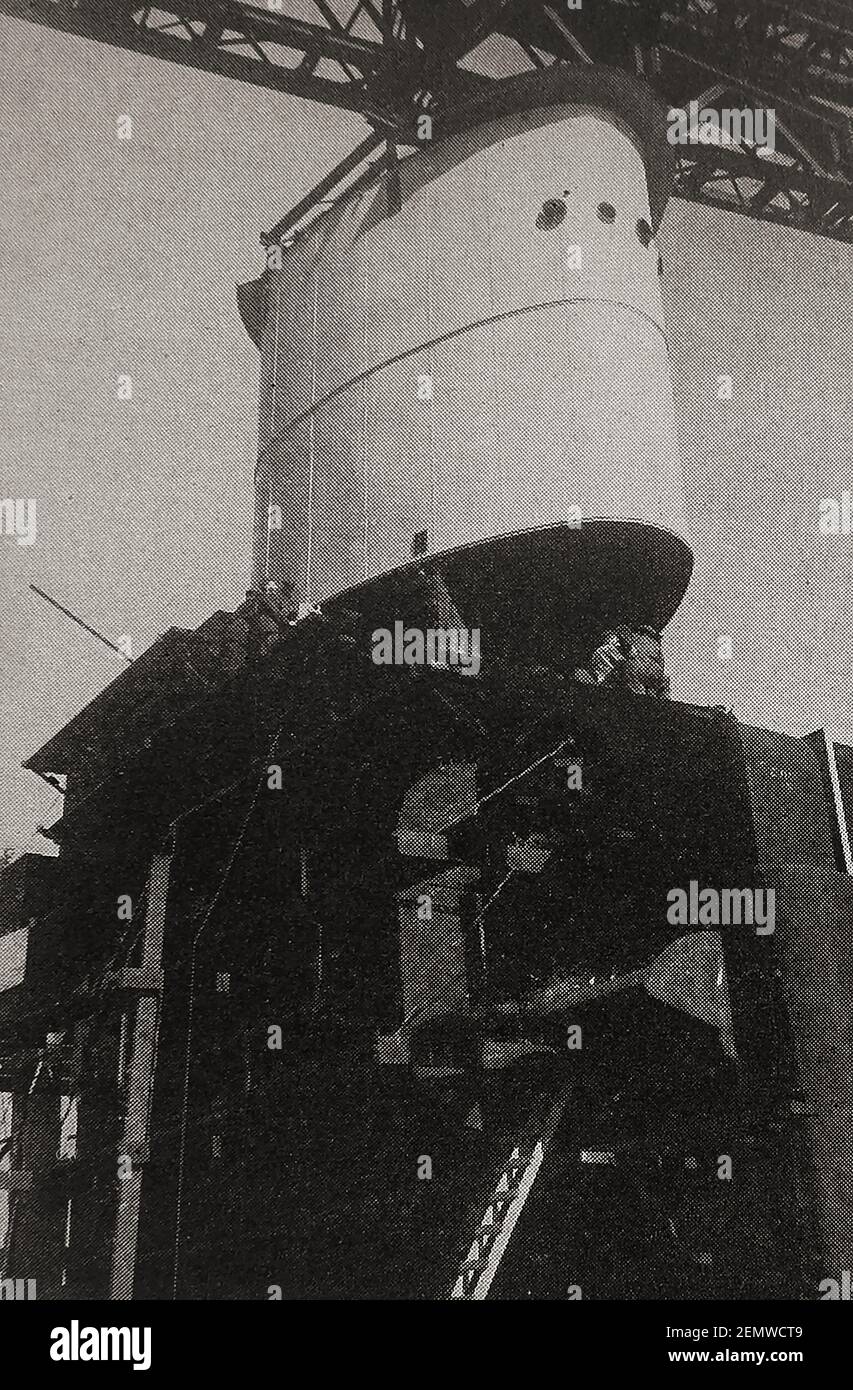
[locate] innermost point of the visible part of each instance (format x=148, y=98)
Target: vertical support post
x=140, y=1077
x=37, y=1233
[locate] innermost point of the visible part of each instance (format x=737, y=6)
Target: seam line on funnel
x=458, y=333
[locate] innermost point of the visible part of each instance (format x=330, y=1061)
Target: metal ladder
x=506, y=1203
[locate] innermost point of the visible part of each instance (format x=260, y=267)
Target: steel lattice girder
x=765, y=43
x=250, y=43
x=388, y=59
x=788, y=197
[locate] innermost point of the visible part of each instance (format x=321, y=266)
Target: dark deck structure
x=243, y=786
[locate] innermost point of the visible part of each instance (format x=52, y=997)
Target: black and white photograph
x=426, y=664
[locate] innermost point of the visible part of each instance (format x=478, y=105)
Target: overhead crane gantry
x=393, y=60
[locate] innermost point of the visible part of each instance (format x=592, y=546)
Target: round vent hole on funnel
x=551, y=214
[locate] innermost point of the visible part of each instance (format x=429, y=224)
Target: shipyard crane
x=409, y=67
x=394, y=60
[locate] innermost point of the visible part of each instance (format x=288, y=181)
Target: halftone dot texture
x=129, y=499
x=444, y=367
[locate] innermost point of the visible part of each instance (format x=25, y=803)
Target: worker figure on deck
x=630, y=658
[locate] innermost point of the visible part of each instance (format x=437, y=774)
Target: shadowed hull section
x=542, y=595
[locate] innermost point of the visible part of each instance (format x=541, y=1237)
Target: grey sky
x=122, y=257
